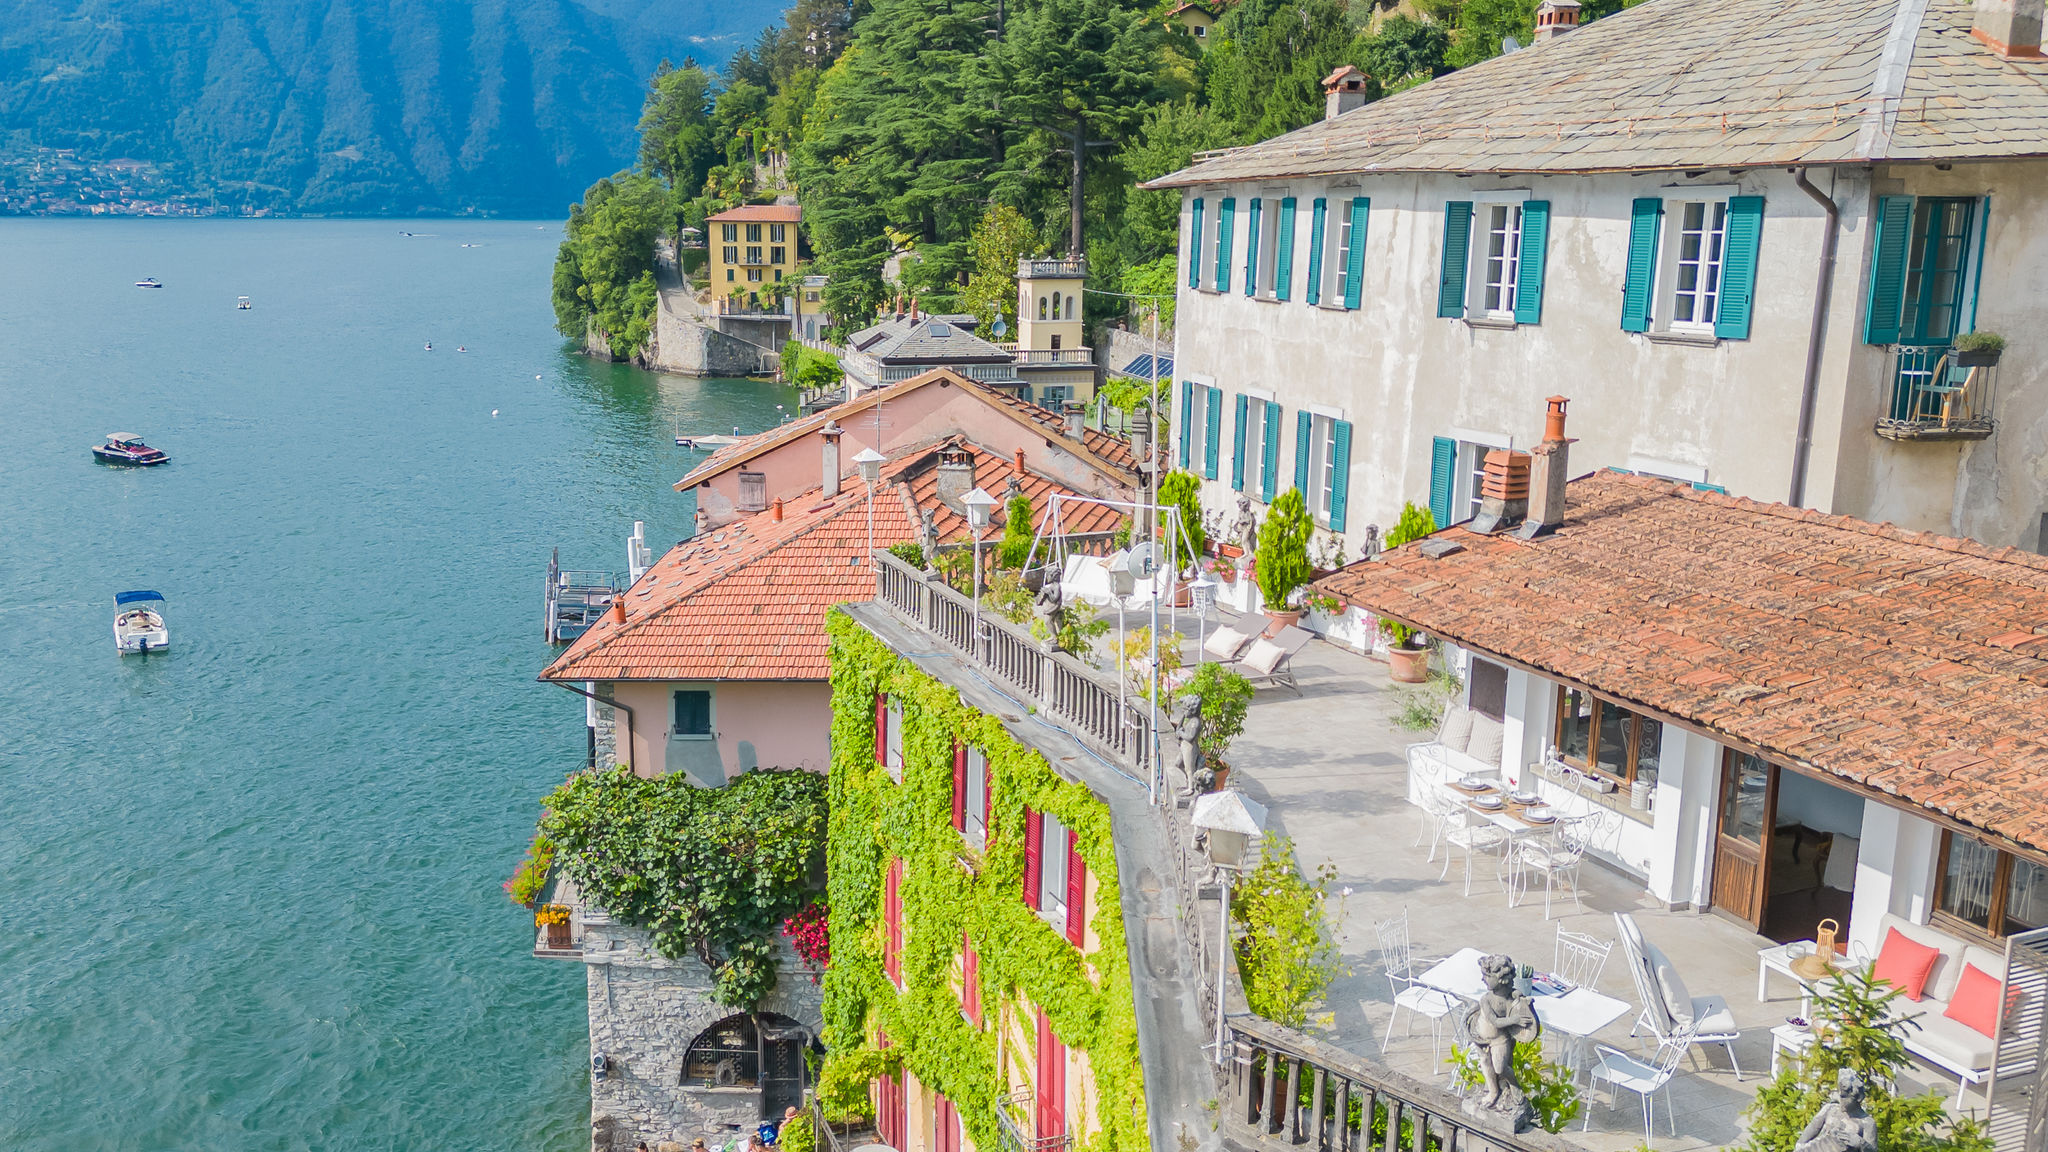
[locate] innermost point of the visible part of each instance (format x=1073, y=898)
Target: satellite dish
x=1509, y=44
x=1142, y=560
x=999, y=327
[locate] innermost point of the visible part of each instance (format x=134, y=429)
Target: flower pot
x=1222, y=772
x=1409, y=665
x=1228, y=551
x=1280, y=620
x=558, y=937
x=1978, y=359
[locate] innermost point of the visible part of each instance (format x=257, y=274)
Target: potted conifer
x=1408, y=649
x=1282, y=560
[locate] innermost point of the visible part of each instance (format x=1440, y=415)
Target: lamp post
x=979, y=506
x=1231, y=822
x=1205, y=596
x=870, y=464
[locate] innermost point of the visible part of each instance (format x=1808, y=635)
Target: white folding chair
x=1410, y=993
x=1644, y=1077
x=1579, y=959
x=1437, y=809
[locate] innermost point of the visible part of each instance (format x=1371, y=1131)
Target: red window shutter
x=1077, y=891
x=1052, y=1082
x=959, y=786
x=881, y=728
x=970, y=980
x=892, y=917
x=1032, y=825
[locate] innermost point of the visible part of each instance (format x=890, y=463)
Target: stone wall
x=1119, y=346
x=645, y=1010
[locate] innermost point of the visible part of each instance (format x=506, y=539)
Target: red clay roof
x=748, y=601
x=1108, y=446
x=1912, y=663
x=781, y=213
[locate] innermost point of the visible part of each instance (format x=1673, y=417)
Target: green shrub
x=797, y=1135
x=1284, y=950
x=1415, y=523
x=1553, y=1095
x=1980, y=342
x=1226, y=698
x=532, y=874
x=1282, y=560
x=910, y=552
x=1016, y=545
x=1183, y=490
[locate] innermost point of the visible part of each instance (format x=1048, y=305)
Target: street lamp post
x=1230, y=822
x=979, y=506
x=870, y=464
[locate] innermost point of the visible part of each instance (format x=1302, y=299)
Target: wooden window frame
x=1591, y=763
x=2001, y=887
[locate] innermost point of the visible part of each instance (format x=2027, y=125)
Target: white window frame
x=1269, y=241
x=892, y=743
x=1322, y=461
x=1497, y=275
x=1670, y=233
x=1472, y=449
x=1336, y=243
x=777, y=233
x=974, y=806
x=1052, y=871
x=1197, y=417
x=1711, y=263
x=1254, y=443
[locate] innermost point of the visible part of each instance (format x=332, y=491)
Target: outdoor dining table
x=1508, y=816
x=1575, y=1015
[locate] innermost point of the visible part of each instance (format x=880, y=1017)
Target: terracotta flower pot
x=1409, y=665
x=1280, y=620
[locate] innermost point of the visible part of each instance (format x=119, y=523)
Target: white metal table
x=1576, y=1014
x=1779, y=958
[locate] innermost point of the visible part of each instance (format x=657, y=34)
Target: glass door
x=1934, y=271
x=1749, y=791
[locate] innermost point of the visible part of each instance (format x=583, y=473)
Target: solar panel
x=1140, y=368
x=1165, y=367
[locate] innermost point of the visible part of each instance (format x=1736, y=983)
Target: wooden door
x=1749, y=802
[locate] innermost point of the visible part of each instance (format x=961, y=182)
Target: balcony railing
x=1936, y=397
x=1019, y=1127
x=1067, y=266
x=1032, y=356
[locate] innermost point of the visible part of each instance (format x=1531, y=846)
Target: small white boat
x=709, y=443
x=148, y=282
x=139, y=622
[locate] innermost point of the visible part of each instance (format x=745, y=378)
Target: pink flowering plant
x=809, y=935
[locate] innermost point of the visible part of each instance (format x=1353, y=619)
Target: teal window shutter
x=1237, y=457
x=1314, y=295
x=1354, y=261
x=1529, y=279
x=1888, y=269
x=1283, y=262
x=1738, y=268
x=1251, y=248
x=1195, y=247
x=1450, y=296
x=1269, y=460
x=1340, y=482
x=1226, y=223
x=1187, y=418
x=1301, y=427
x=1213, y=434
x=1443, y=475
x=1644, y=224
x=1977, y=277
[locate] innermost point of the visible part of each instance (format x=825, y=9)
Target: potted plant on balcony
x=1183, y=490
x=1407, y=649
x=1978, y=349
x=1282, y=560
x=1226, y=698
x=555, y=918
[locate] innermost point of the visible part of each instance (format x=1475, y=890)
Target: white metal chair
x=1556, y=856
x=1644, y=1077
x=1579, y=959
x=1438, y=809
x=1404, y=970
x=1473, y=835
x=1711, y=1022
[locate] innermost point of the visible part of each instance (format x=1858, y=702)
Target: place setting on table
x=1504, y=807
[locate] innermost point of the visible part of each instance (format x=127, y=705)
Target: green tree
x=1406, y=50
x=1282, y=560
x=1155, y=282
x=1017, y=533
x=1183, y=490
x=1266, y=70
x=1001, y=237
x=740, y=109
x=675, y=128
x=1165, y=141
x=604, y=270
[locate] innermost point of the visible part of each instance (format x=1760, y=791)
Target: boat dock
x=576, y=600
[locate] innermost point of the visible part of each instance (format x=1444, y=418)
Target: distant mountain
x=368, y=107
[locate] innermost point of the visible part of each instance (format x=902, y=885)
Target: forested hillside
x=930, y=142
x=353, y=106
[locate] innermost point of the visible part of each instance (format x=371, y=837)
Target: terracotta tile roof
x=780, y=213
x=748, y=601
x=1108, y=446
x=1677, y=84
x=1911, y=663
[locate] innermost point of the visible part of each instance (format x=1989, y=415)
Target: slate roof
x=1911, y=663
x=748, y=601
x=1678, y=84
x=926, y=340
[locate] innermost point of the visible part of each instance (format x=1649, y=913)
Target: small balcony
x=558, y=923
x=1074, y=266
x=1937, y=393
x=1038, y=357
x=1018, y=1124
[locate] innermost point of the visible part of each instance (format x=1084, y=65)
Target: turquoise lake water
x=252, y=885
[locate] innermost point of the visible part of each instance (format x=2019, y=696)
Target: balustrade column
x=1316, y=1111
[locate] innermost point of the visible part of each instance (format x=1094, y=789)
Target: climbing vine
x=949, y=890
x=710, y=871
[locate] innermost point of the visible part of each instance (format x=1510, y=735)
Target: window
x=1055, y=879
x=1340, y=252
x=1052, y=870
x=889, y=735
x=1503, y=255
x=692, y=714
x=753, y=231
x=1993, y=892
x=1194, y=425
x=1071, y=301
x=778, y=234
x=970, y=981
x=753, y=253
x=1254, y=466
x=732, y=254
x=892, y=924
x=1201, y=31
x=1692, y=262
x=971, y=794
x=1607, y=738
x=1050, y=1122
x=1041, y=307
x=778, y=275
x=753, y=275
x=1702, y=242
x=810, y=297
x=777, y=255
x=1322, y=465
x=728, y=274
x=728, y=233
x=945, y=1126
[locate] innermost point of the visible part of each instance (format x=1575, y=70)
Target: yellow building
x=753, y=249
x=1197, y=19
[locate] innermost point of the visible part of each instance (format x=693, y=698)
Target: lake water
x=252, y=885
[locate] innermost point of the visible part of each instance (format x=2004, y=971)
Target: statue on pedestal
x=1050, y=607
x=1842, y=1124
x=1187, y=722
x=1502, y=1018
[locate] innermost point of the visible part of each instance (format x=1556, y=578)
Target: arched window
x=1055, y=305
x=762, y=1051
x=1041, y=307
x=1070, y=307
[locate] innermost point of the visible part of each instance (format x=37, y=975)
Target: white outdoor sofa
x=1948, y=1044
x=1467, y=743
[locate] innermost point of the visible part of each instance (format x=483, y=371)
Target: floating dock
x=576, y=600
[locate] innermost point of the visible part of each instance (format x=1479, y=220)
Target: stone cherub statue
x=927, y=535
x=1246, y=526
x=1050, y=608
x=1842, y=1124
x=1500, y=1020
x=1187, y=722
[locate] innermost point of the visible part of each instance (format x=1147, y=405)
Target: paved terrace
x=1330, y=766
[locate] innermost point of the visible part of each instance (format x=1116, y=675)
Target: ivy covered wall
x=1086, y=999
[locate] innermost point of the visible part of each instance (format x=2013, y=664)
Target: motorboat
x=241, y=303
x=139, y=622
x=709, y=443
x=127, y=448
x=149, y=282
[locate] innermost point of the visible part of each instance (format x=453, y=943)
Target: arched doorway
x=762, y=1051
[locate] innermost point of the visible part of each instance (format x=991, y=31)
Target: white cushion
x=1713, y=1016
x=1264, y=656
x=1456, y=732
x=1225, y=643
x=1678, y=1003
x=1487, y=734
x=1951, y=1042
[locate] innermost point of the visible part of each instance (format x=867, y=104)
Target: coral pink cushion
x=1976, y=1001
x=1904, y=964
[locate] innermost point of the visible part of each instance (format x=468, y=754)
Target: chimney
x=1343, y=90
x=1017, y=463
x=2012, y=28
x=1549, y=467
x=1503, y=492
x=618, y=612
x=775, y=510
x=1077, y=419
x=1554, y=18
x=956, y=478
x=831, y=433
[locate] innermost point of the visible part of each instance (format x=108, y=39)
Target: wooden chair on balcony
x=1951, y=382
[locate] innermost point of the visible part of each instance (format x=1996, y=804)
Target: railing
x=1934, y=397
x=1059, y=266
x=1019, y=1128
x=1029, y=356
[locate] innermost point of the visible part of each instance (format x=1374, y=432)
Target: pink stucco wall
x=758, y=723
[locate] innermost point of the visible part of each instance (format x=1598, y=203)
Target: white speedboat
x=149, y=282
x=139, y=622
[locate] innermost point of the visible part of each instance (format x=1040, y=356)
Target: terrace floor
x=1331, y=768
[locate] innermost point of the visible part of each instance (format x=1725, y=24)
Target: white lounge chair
x=1267, y=660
